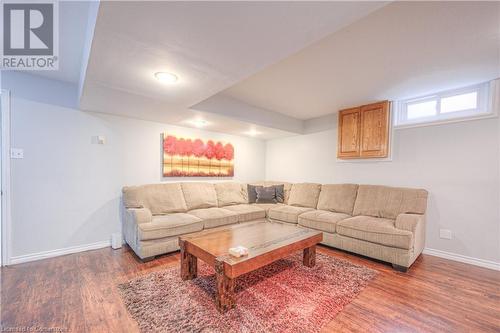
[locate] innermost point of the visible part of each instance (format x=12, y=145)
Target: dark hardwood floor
x=78, y=293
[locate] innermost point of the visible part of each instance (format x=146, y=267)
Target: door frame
x=5, y=179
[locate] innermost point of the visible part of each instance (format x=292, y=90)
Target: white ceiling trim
x=236, y=109
x=87, y=48
x=140, y=107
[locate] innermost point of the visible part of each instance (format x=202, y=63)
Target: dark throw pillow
x=266, y=194
x=252, y=194
x=280, y=193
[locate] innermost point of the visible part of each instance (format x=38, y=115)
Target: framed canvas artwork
x=187, y=157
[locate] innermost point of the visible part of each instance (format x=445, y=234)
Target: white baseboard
x=461, y=258
x=99, y=245
x=58, y=252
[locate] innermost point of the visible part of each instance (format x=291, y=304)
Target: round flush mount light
x=199, y=123
x=253, y=132
x=166, y=77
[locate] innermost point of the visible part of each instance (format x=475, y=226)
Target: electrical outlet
x=16, y=153
x=445, y=234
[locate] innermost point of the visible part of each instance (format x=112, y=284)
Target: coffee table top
x=266, y=242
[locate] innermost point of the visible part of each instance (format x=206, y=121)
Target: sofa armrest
x=409, y=222
x=139, y=215
x=416, y=224
x=132, y=218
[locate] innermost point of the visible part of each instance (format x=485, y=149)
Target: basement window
x=464, y=103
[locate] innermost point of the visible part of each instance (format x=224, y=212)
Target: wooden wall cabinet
x=363, y=132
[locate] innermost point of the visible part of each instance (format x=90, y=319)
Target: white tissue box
x=238, y=251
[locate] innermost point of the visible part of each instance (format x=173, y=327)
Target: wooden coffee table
x=266, y=243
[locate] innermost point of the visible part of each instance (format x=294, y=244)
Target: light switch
x=98, y=140
x=16, y=153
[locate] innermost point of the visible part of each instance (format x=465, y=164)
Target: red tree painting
x=186, y=157
x=228, y=152
x=198, y=148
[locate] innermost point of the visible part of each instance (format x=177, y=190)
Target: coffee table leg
x=189, y=263
x=310, y=256
x=224, y=295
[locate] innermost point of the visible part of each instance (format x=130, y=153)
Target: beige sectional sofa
x=385, y=223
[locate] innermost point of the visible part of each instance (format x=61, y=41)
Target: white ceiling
x=402, y=50
x=209, y=45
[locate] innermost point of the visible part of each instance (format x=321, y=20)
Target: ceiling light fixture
x=165, y=77
x=253, y=132
x=199, y=122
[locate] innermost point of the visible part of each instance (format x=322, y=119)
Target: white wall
x=457, y=163
x=66, y=191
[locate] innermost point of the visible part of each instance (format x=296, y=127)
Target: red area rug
x=282, y=297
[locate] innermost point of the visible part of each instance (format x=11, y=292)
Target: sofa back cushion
x=230, y=194
x=158, y=198
x=389, y=202
x=338, y=198
x=304, y=195
x=199, y=195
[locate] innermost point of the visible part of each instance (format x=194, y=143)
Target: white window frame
x=483, y=110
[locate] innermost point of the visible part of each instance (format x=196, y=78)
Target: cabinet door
x=375, y=130
x=348, y=133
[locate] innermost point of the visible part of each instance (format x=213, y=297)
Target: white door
x=4, y=176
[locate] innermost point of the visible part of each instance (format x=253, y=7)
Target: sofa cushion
x=215, y=217
x=169, y=225
x=321, y=220
x=199, y=195
x=132, y=196
x=139, y=215
x=338, y=198
x=389, y=202
x=376, y=230
x=287, y=213
x=158, y=198
x=247, y=212
x=266, y=206
x=230, y=194
x=304, y=195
